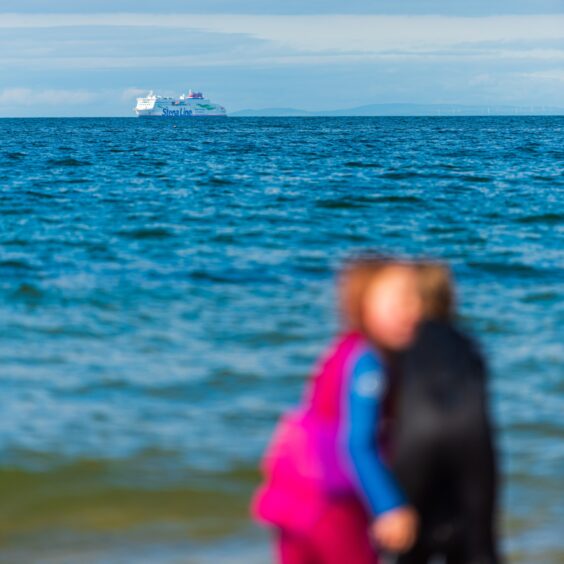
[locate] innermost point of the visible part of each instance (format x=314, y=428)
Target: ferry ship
x=192, y=104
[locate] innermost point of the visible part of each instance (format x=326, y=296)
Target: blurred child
x=437, y=290
x=442, y=446
x=325, y=480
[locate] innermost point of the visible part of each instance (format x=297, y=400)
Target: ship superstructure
x=192, y=104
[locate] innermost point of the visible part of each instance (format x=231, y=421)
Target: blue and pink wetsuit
x=346, y=396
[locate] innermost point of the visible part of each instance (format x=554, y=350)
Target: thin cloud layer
x=298, y=7
x=30, y=97
x=283, y=38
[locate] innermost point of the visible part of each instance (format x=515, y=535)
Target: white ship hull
x=191, y=105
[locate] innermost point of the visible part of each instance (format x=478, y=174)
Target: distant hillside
x=408, y=110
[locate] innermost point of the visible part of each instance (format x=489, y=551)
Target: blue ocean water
x=165, y=287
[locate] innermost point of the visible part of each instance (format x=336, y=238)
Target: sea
x=166, y=287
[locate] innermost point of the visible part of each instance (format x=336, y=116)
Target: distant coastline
x=370, y=110
x=407, y=110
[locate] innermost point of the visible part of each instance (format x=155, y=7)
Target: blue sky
x=63, y=57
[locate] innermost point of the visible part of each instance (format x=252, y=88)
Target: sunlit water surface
x=165, y=287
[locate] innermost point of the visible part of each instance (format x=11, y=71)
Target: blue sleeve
x=364, y=388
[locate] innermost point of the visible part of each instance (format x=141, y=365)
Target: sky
x=87, y=58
